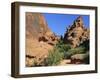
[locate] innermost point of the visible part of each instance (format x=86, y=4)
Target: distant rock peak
x=76, y=33
x=78, y=22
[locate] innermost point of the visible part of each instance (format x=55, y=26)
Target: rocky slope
x=39, y=39
x=76, y=34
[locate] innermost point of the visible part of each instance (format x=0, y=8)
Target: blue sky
x=58, y=22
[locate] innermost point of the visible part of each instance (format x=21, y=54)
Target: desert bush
x=86, y=44
x=63, y=51
x=62, y=47
x=54, y=57
x=57, y=54
x=72, y=51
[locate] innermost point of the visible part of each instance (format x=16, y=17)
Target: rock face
x=39, y=39
x=35, y=25
x=76, y=34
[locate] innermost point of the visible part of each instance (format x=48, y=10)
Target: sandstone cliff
x=39, y=38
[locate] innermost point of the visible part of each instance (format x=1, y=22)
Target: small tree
x=61, y=37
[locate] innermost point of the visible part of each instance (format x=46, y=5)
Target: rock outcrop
x=77, y=33
x=35, y=25
x=39, y=39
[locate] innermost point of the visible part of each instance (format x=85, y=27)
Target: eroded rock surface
x=39, y=39
x=77, y=33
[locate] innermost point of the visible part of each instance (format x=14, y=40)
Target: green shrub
x=62, y=47
x=85, y=44
x=54, y=57
x=87, y=58
x=70, y=52
x=63, y=51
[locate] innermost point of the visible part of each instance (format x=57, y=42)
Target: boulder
x=78, y=58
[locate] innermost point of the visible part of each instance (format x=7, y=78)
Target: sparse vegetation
x=65, y=51
x=87, y=58
x=57, y=54
x=54, y=57
x=72, y=51
x=62, y=47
